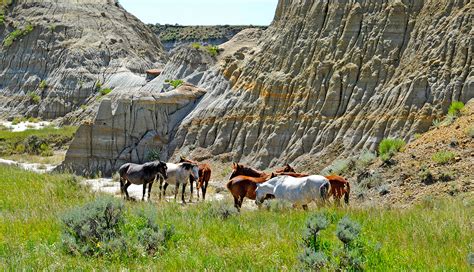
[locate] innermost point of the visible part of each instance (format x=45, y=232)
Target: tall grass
x=431, y=236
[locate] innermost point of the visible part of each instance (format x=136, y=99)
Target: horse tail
x=346, y=194
x=324, y=191
x=229, y=185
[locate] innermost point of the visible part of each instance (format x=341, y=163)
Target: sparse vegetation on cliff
x=17, y=34
x=175, y=82
x=34, y=98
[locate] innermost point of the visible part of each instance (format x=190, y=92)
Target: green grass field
x=434, y=236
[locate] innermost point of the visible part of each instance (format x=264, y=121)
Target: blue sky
x=203, y=12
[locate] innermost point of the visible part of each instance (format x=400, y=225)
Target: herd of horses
x=244, y=182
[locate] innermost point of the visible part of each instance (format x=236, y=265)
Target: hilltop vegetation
x=434, y=235
x=177, y=34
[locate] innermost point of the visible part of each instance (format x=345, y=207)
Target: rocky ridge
x=68, y=50
x=326, y=79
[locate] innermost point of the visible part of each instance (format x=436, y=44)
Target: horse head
x=193, y=169
x=162, y=169
x=242, y=170
x=285, y=169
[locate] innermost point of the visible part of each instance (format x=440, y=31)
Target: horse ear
x=234, y=165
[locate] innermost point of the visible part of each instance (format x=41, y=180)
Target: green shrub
x=32, y=119
x=105, y=91
x=437, y=123
x=98, y=85
x=102, y=228
x=365, y=159
x=34, y=98
x=277, y=205
x=426, y=176
x=17, y=34
x=18, y=120
x=221, y=209
x=417, y=136
x=175, y=83
x=455, y=108
x=213, y=50
x=196, y=45
x=389, y=147
x=443, y=157
x=322, y=255
x=43, y=85
x=338, y=167
x=153, y=155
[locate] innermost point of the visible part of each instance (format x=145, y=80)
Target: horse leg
x=305, y=207
x=164, y=190
x=204, y=189
x=149, y=190
x=160, y=187
x=191, y=190
x=128, y=183
x=144, y=190
x=122, y=183
x=182, y=194
x=176, y=188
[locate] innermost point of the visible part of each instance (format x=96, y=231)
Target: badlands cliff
x=326, y=78
x=61, y=52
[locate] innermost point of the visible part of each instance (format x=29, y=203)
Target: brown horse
x=242, y=182
x=285, y=169
x=339, y=185
x=204, y=176
x=242, y=170
x=244, y=186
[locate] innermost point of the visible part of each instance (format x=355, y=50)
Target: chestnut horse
x=204, y=176
x=339, y=185
x=243, y=182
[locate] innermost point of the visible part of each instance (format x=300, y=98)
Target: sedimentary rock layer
x=69, y=49
x=330, y=77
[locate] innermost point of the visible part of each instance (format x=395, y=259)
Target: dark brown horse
x=204, y=176
x=339, y=185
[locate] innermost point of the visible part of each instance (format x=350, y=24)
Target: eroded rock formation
x=138, y=118
x=330, y=77
x=70, y=48
x=325, y=79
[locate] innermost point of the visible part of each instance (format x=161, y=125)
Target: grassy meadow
x=45, y=145
x=435, y=235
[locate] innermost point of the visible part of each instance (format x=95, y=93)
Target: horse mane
x=183, y=159
x=187, y=165
x=292, y=174
x=244, y=170
x=285, y=169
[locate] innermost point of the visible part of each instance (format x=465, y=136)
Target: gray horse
x=131, y=173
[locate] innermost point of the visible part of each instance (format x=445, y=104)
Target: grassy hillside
x=434, y=235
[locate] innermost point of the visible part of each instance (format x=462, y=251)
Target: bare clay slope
x=330, y=77
x=72, y=46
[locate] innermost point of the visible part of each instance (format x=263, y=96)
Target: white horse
x=299, y=191
x=179, y=174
